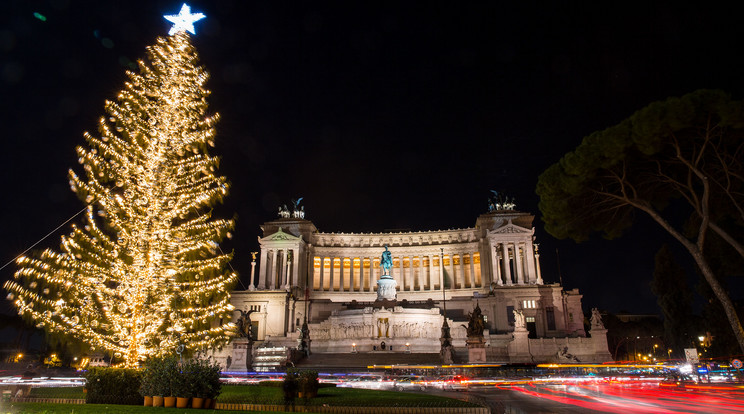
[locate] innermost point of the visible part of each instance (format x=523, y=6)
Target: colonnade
x=515, y=263
x=512, y=263
x=279, y=269
x=419, y=272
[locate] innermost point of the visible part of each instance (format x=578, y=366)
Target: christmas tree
x=144, y=274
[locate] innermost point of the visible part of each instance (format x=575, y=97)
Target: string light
x=144, y=273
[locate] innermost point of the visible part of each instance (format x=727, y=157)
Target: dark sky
x=382, y=115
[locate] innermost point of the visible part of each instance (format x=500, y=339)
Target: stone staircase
x=364, y=359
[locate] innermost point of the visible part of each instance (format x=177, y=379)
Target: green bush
x=113, y=386
x=202, y=377
x=159, y=375
x=165, y=376
x=309, y=383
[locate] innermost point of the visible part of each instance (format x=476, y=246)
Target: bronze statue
x=476, y=322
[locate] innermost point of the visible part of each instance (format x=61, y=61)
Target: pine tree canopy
x=145, y=272
x=683, y=151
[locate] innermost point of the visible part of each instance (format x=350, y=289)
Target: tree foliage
x=685, y=151
x=144, y=273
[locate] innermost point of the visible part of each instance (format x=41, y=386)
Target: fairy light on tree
x=144, y=273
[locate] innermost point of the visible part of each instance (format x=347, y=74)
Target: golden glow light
x=144, y=273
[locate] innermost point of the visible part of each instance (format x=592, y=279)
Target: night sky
x=382, y=115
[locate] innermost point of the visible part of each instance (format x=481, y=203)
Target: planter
x=182, y=402
x=157, y=401
x=169, y=402
x=209, y=403
x=197, y=402
x=148, y=401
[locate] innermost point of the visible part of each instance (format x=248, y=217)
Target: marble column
x=473, y=279
x=288, y=258
x=331, y=273
x=466, y=279
x=252, y=285
x=455, y=277
x=295, y=268
x=321, y=274
x=422, y=273
x=352, y=281
x=362, y=276
x=539, y=280
x=272, y=277
x=341, y=285
x=431, y=273
x=530, y=260
x=506, y=265
x=519, y=263
x=496, y=265
x=264, y=269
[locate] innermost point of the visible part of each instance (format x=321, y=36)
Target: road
x=607, y=397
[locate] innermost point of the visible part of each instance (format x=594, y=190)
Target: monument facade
x=360, y=292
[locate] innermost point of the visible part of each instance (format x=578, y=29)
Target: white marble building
x=332, y=277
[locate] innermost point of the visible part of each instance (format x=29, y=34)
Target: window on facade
x=529, y=304
x=550, y=316
x=510, y=315
x=529, y=319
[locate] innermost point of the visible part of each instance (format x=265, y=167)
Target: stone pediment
x=280, y=235
x=511, y=229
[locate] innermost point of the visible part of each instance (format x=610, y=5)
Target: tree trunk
x=710, y=277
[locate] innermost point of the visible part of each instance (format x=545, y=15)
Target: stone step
x=364, y=359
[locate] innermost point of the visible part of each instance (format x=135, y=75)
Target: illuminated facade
x=494, y=264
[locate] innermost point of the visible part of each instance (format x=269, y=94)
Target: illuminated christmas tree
x=145, y=273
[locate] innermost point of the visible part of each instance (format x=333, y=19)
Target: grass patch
x=257, y=394
x=57, y=392
x=242, y=394
x=39, y=408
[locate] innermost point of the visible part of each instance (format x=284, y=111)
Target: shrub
x=202, y=378
x=113, y=386
x=159, y=375
x=210, y=376
x=309, y=383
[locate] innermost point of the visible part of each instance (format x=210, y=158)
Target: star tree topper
x=184, y=20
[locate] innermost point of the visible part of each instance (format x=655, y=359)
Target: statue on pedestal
x=519, y=323
x=596, y=320
x=475, y=341
x=446, y=351
x=476, y=323
x=244, y=331
x=386, y=284
x=386, y=262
